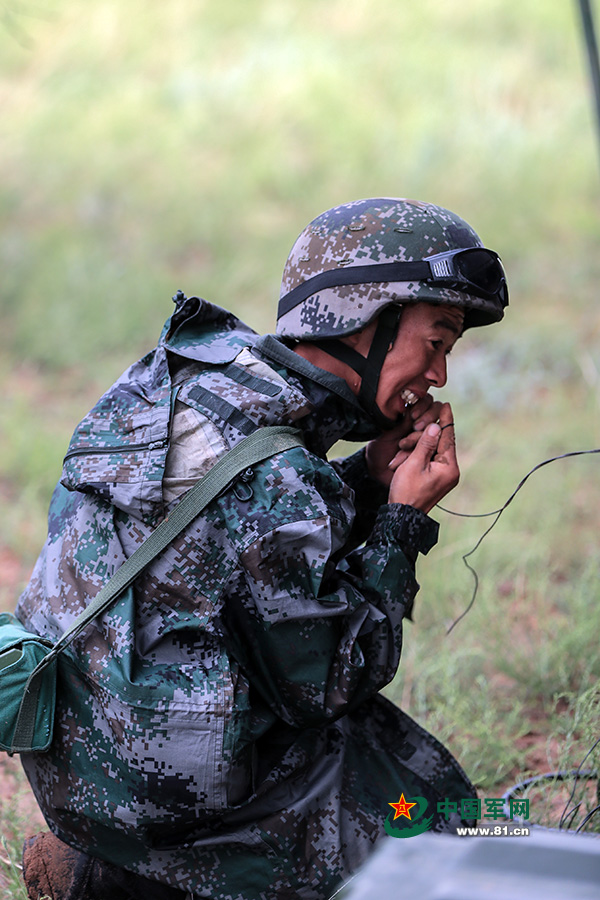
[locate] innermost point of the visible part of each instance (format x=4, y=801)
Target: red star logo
x=402, y=807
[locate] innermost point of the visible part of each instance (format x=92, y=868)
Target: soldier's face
x=417, y=359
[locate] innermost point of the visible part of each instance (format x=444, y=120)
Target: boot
x=53, y=870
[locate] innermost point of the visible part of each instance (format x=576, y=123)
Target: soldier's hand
x=381, y=451
x=426, y=468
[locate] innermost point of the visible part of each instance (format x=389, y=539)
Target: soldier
x=219, y=731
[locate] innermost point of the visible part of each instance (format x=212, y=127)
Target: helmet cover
x=369, y=232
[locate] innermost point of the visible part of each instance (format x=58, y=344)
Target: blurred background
x=146, y=147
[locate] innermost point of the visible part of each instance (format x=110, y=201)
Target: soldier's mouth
x=409, y=397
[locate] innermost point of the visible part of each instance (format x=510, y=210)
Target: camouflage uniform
x=219, y=729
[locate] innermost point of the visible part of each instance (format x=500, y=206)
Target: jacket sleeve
x=369, y=494
x=319, y=629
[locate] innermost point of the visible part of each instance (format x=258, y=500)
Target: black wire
x=551, y=776
x=568, y=820
x=589, y=816
x=577, y=774
x=559, y=776
x=498, y=513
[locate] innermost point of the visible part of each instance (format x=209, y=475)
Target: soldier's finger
x=428, y=443
x=410, y=441
x=431, y=414
x=447, y=439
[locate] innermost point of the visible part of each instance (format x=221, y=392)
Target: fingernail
x=433, y=429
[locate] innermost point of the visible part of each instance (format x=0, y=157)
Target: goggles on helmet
x=474, y=270
x=478, y=269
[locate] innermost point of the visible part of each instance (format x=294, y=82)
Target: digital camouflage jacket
x=220, y=728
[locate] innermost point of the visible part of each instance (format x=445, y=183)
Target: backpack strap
x=255, y=448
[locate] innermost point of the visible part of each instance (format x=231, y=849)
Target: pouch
x=21, y=653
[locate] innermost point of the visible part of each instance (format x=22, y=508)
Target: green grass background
x=146, y=147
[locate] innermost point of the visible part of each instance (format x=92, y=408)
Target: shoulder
x=202, y=331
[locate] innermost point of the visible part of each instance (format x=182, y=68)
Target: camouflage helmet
x=327, y=290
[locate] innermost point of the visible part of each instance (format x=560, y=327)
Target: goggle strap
x=379, y=272
x=435, y=269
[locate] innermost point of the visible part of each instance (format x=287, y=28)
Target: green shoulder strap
x=258, y=446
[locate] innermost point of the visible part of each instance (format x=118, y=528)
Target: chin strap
x=369, y=367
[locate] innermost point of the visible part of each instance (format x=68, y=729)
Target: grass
x=165, y=146
x=17, y=821
x=569, y=796
x=11, y=873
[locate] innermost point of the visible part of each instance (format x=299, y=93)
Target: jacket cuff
x=407, y=526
